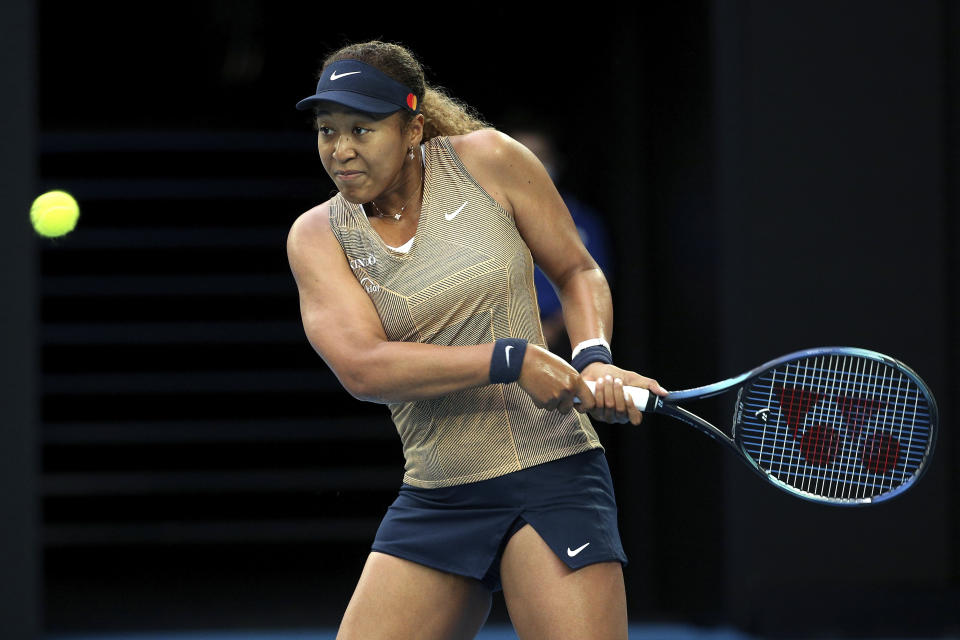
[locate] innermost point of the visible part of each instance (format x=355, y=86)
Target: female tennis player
x=416, y=288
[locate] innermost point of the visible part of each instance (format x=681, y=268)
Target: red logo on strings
x=820, y=443
x=857, y=412
x=880, y=453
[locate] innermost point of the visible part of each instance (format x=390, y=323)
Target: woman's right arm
x=343, y=326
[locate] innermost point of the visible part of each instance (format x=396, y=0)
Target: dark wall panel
x=19, y=559
x=950, y=401
x=831, y=185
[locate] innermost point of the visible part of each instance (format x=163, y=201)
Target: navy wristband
x=507, y=360
x=596, y=353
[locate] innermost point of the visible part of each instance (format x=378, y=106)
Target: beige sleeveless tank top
x=466, y=280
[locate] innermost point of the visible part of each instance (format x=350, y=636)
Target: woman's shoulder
x=313, y=219
x=483, y=145
x=500, y=164
x=310, y=226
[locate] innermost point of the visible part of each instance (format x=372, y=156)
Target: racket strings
x=840, y=427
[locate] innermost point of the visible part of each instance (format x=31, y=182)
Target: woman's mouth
x=347, y=175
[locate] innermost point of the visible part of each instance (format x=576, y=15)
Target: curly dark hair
x=443, y=115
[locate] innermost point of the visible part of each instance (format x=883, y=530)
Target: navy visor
x=359, y=86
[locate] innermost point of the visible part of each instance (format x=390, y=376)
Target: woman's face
x=364, y=157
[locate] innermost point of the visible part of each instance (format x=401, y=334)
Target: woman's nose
x=343, y=149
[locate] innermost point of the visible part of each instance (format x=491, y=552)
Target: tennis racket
x=836, y=425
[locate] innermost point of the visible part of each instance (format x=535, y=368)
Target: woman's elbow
x=354, y=382
x=354, y=369
x=361, y=385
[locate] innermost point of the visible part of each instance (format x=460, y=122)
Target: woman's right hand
x=552, y=383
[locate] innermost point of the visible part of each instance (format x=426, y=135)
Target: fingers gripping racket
x=836, y=425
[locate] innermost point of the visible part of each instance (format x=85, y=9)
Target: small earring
x=411, y=152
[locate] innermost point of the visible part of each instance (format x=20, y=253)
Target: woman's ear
x=415, y=129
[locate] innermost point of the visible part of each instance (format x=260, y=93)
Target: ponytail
x=444, y=115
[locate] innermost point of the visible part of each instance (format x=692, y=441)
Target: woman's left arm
x=514, y=177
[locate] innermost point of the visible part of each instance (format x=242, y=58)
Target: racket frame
x=668, y=405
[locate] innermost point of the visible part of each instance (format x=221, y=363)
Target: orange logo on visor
x=412, y=101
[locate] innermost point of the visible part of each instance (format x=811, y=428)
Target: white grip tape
x=639, y=396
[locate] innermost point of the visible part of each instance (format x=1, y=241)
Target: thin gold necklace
x=395, y=216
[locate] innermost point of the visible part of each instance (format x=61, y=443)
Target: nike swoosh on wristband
x=451, y=216
x=335, y=76
x=577, y=550
x=506, y=352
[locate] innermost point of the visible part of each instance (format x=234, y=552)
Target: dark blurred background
x=773, y=175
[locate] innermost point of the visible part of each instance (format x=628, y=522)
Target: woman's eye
x=360, y=130
x=324, y=131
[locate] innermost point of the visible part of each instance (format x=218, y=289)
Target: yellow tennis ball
x=54, y=214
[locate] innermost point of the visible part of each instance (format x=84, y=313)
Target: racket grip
x=641, y=397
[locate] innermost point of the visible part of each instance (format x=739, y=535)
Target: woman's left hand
x=612, y=405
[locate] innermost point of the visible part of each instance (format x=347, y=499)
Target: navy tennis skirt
x=464, y=529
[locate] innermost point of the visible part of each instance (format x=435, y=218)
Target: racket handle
x=640, y=397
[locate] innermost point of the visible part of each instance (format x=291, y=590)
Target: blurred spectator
x=589, y=223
